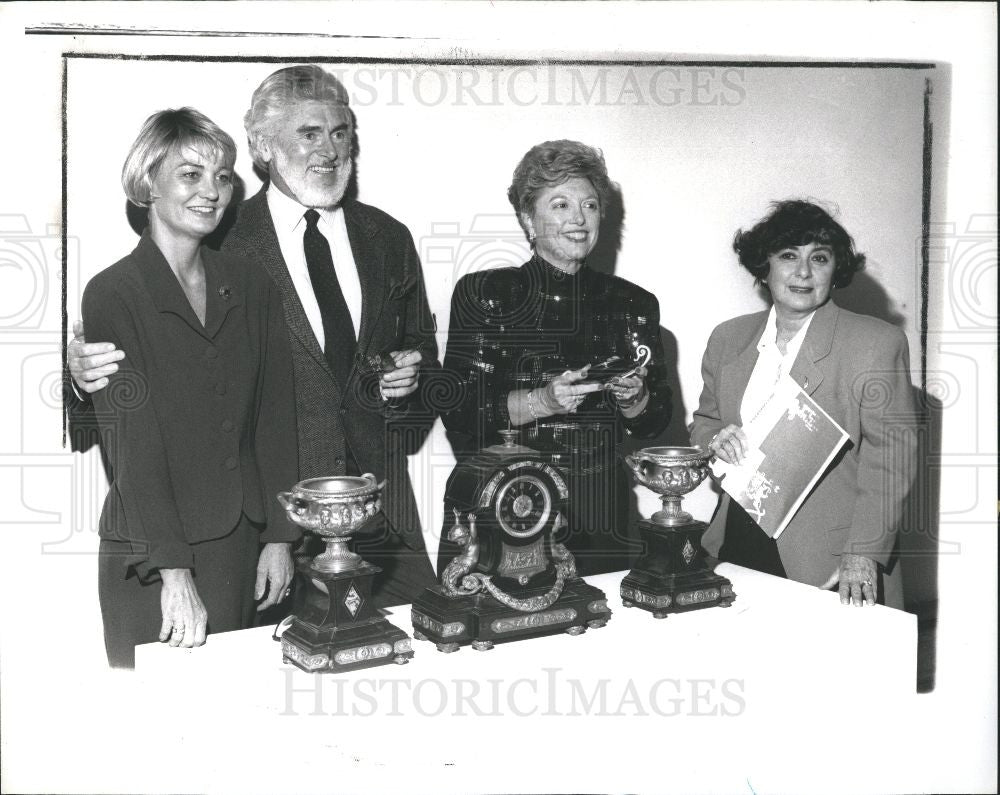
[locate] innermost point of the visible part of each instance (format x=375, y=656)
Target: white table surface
x=700, y=701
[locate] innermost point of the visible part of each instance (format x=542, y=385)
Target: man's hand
x=274, y=574
x=403, y=379
x=858, y=578
x=90, y=363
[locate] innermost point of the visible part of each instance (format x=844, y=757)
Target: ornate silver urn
x=673, y=575
x=335, y=625
x=334, y=508
x=671, y=472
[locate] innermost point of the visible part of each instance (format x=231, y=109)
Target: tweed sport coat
x=858, y=369
x=394, y=316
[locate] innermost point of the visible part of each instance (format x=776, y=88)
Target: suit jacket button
x=211, y=352
x=343, y=411
x=339, y=461
x=227, y=425
x=231, y=463
x=220, y=389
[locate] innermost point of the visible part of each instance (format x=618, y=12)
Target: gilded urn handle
x=635, y=464
x=290, y=502
x=374, y=480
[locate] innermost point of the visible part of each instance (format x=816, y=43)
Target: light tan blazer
x=858, y=369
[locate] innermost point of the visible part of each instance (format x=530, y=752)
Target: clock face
x=523, y=506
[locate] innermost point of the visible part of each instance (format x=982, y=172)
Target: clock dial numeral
x=523, y=506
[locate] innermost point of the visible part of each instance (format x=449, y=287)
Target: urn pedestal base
x=451, y=622
x=673, y=575
x=336, y=628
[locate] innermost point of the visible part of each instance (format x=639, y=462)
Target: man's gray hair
x=282, y=89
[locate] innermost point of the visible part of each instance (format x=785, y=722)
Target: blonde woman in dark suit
x=199, y=422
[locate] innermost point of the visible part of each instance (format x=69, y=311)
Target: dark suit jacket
x=394, y=316
x=858, y=369
x=199, y=422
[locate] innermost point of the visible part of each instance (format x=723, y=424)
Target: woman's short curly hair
x=164, y=132
x=795, y=222
x=553, y=163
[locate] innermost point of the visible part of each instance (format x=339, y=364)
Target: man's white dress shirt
x=290, y=226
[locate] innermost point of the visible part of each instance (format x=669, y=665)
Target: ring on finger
x=178, y=630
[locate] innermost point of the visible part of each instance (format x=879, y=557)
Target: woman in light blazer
x=856, y=368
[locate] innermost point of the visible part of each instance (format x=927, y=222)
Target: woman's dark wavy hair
x=797, y=223
x=553, y=163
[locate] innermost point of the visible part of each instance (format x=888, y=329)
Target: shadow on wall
x=919, y=544
x=865, y=296
x=604, y=256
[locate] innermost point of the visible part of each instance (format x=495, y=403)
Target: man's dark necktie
x=338, y=328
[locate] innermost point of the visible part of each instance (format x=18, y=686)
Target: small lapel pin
x=225, y=292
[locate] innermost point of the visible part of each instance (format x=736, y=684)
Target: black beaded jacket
x=515, y=328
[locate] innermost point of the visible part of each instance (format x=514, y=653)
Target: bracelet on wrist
x=531, y=405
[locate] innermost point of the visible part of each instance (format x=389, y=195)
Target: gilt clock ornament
x=512, y=578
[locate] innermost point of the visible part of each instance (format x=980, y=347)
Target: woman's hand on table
x=185, y=620
x=858, y=578
x=730, y=445
x=564, y=393
x=274, y=574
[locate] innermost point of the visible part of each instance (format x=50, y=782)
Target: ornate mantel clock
x=512, y=579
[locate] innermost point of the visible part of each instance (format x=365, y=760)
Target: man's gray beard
x=308, y=196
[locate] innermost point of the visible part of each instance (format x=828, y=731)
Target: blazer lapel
x=168, y=295
x=815, y=347
x=369, y=257
x=264, y=241
x=735, y=375
x=221, y=294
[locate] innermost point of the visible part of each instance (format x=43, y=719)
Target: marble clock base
x=336, y=628
x=673, y=575
x=480, y=620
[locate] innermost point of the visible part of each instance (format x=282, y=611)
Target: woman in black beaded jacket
x=522, y=342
